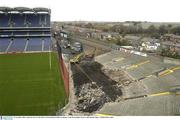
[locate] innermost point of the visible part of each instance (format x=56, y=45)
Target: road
x=94, y=43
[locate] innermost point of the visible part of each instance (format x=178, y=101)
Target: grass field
x=28, y=86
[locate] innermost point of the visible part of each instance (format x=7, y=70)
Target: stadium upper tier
x=24, y=29
x=24, y=20
x=21, y=17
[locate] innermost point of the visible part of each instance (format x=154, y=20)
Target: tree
x=163, y=29
x=89, y=25
x=175, y=30
x=123, y=42
x=151, y=29
x=155, y=35
x=169, y=27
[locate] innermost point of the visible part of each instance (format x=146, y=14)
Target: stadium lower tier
x=25, y=45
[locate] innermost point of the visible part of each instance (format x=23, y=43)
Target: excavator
x=77, y=58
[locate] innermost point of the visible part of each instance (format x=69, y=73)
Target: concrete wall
x=64, y=70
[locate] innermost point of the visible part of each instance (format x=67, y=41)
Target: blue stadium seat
x=48, y=21
x=33, y=19
x=47, y=43
x=35, y=33
x=45, y=20
x=18, y=20
x=18, y=24
x=4, y=19
x=19, y=33
x=17, y=45
x=5, y=33
x=4, y=42
x=35, y=44
x=47, y=32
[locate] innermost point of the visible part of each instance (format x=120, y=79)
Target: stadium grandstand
x=32, y=71
x=24, y=29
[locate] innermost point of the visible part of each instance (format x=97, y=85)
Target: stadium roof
x=41, y=9
x=5, y=9
x=24, y=9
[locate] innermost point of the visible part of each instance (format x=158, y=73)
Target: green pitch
x=28, y=86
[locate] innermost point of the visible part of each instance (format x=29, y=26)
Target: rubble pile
x=93, y=88
x=119, y=76
x=90, y=98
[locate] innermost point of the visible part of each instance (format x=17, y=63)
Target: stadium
x=56, y=68
x=31, y=76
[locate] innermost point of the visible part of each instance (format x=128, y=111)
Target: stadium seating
x=35, y=33
x=5, y=33
x=48, y=21
x=4, y=42
x=45, y=20
x=33, y=19
x=47, y=32
x=19, y=33
x=47, y=43
x=17, y=27
x=17, y=45
x=35, y=44
x=4, y=20
x=18, y=20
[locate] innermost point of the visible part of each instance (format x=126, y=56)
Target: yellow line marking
x=104, y=115
x=159, y=94
x=117, y=60
x=166, y=72
x=137, y=65
x=175, y=68
x=171, y=70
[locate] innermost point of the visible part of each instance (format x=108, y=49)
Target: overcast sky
x=106, y=10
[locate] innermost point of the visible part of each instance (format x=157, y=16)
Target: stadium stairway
x=18, y=45
x=9, y=46
x=25, y=48
x=42, y=45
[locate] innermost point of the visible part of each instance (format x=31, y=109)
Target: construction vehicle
x=91, y=56
x=77, y=58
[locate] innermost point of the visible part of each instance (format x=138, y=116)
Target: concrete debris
x=94, y=90
x=90, y=98
x=120, y=77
